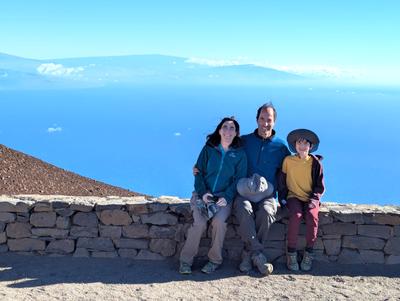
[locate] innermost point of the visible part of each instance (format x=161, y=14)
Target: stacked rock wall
x=155, y=229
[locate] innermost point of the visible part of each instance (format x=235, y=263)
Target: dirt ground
x=65, y=278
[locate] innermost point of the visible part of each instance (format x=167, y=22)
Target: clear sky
x=348, y=38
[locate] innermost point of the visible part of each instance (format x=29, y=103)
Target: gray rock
x=18, y=230
x=23, y=217
x=83, y=207
x=64, y=246
x=7, y=217
x=166, y=247
x=14, y=206
x=396, y=231
x=60, y=204
x=369, y=256
x=102, y=207
x=392, y=259
x=148, y=255
x=3, y=248
x=162, y=232
x=159, y=218
x=393, y=246
x=104, y=254
x=115, y=217
x=26, y=244
x=139, y=207
x=63, y=222
x=332, y=246
x=43, y=219
x=127, y=253
x=96, y=244
x=386, y=219
x=275, y=244
x=81, y=252
x=3, y=237
x=110, y=231
x=347, y=217
x=273, y=254
x=324, y=219
x=2, y=226
x=66, y=212
x=155, y=207
x=135, y=231
x=340, y=228
x=52, y=232
x=85, y=219
x=277, y=232
x=363, y=243
x=375, y=231
x=77, y=231
x=131, y=243
x=43, y=206
x=349, y=257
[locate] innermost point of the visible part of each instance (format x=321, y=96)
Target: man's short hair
x=264, y=107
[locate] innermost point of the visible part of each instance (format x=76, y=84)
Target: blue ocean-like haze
x=147, y=138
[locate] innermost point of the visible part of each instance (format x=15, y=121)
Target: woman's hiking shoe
x=210, y=267
x=246, y=264
x=185, y=268
x=260, y=261
x=291, y=261
x=306, y=263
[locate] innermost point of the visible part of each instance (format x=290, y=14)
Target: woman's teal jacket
x=220, y=171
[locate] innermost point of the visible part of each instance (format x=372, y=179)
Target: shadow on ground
x=32, y=271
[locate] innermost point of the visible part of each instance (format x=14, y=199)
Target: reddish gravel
x=24, y=174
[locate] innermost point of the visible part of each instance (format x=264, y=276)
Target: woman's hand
x=206, y=196
x=222, y=202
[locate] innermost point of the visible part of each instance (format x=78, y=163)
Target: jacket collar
x=262, y=138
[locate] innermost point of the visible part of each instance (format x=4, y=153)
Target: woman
x=221, y=163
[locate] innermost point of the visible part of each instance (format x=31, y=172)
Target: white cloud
x=177, y=134
x=58, y=70
x=54, y=129
x=306, y=70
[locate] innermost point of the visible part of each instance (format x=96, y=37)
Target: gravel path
x=67, y=278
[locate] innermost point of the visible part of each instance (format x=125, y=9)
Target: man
x=265, y=154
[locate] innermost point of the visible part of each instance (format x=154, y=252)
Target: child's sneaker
x=306, y=263
x=291, y=261
x=185, y=268
x=210, y=267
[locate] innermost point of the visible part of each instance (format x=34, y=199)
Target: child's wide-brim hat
x=255, y=188
x=295, y=135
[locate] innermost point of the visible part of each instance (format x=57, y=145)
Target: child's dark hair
x=215, y=138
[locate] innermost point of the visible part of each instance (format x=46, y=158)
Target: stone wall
x=155, y=229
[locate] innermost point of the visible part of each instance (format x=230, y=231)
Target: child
x=301, y=185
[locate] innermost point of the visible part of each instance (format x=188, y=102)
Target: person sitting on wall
x=301, y=185
x=221, y=163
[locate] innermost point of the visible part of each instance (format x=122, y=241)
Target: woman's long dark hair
x=215, y=138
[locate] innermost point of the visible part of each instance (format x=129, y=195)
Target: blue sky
x=349, y=39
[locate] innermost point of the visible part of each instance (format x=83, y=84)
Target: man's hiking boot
x=246, y=265
x=291, y=261
x=261, y=263
x=210, y=267
x=185, y=268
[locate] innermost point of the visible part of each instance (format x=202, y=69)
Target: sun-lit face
x=303, y=147
x=227, y=132
x=266, y=122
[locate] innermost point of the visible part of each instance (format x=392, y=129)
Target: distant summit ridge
x=130, y=70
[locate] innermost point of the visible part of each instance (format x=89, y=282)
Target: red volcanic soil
x=24, y=174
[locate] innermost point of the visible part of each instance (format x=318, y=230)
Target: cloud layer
x=58, y=70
